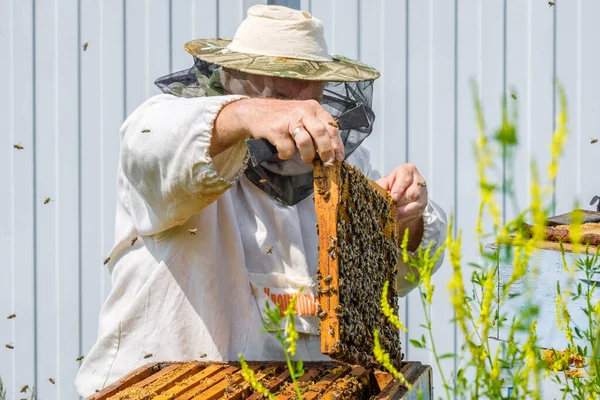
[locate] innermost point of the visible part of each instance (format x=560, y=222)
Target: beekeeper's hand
x=290, y=125
x=409, y=192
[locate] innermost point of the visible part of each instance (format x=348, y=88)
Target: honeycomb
x=358, y=253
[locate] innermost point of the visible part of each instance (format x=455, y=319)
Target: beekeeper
x=205, y=236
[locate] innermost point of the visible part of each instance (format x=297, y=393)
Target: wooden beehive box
x=358, y=253
x=209, y=381
x=545, y=269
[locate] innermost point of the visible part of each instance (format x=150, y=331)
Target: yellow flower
x=383, y=358
x=388, y=311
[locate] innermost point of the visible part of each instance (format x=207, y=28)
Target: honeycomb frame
x=358, y=237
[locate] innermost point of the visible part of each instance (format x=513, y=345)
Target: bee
x=10, y=346
x=79, y=358
x=229, y=389
x=47, y=200
x=193, y=231
x=133, y=240
x=148, y=355
x=97, y=390
x=11, y=316
x=145, y=130
x=24, y=388
x=335, y=395
x=338, y=308
x=203, y=355
x=322, y=314
x=18, y=146
x=594, y=141
x=333, y=123
x=550, y=3
x=324, y=291
x=52, y=381
x=85, y=46
x=333, y=290
x=270, y=250
x=330, y=331
x=327, y=279
x=262, y=181
x=514, y=96
x=106, y=260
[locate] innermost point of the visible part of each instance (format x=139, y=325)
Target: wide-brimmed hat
x=281, y=42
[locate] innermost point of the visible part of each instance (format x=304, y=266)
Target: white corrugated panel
x=64, y=105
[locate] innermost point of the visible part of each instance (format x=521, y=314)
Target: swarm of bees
x=364, y=245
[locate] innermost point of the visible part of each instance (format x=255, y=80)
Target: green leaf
x=299, y=368
x=416, y=343
x=447, y=355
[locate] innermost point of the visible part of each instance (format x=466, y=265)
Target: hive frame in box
x=328, y=193
x=209, y=381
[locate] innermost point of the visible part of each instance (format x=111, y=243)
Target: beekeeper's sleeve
x=166, y=162
x=434, y=223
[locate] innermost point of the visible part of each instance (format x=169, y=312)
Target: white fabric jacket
x=211, y=248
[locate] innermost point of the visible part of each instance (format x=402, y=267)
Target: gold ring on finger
x=422, y=184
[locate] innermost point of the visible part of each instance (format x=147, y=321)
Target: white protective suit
x=179, y=294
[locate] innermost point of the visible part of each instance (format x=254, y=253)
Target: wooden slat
x=134, y=377
x=244, y=389
x=327, y=199
x=273, y=385
x=325, y=382
x=190, y=383
x=383, y=379
x=218, y=390
x=334, y=392
x=208, y=382
x=412, y=372
x=163, y=380
x=291, y=391
x=144, y=382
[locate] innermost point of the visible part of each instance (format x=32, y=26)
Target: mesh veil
x=206, y=79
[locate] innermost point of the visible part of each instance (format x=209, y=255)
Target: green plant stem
x=433, y=348
x=288, y=360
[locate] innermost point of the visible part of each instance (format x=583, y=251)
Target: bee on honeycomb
x=362, y=246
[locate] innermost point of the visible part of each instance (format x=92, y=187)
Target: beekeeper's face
x=235, y=82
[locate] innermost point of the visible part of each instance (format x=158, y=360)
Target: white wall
x=65, y=105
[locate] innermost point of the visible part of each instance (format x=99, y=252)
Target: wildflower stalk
x=432, y=341
x=288, y=342
x=249, y=377
x=383, y=358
